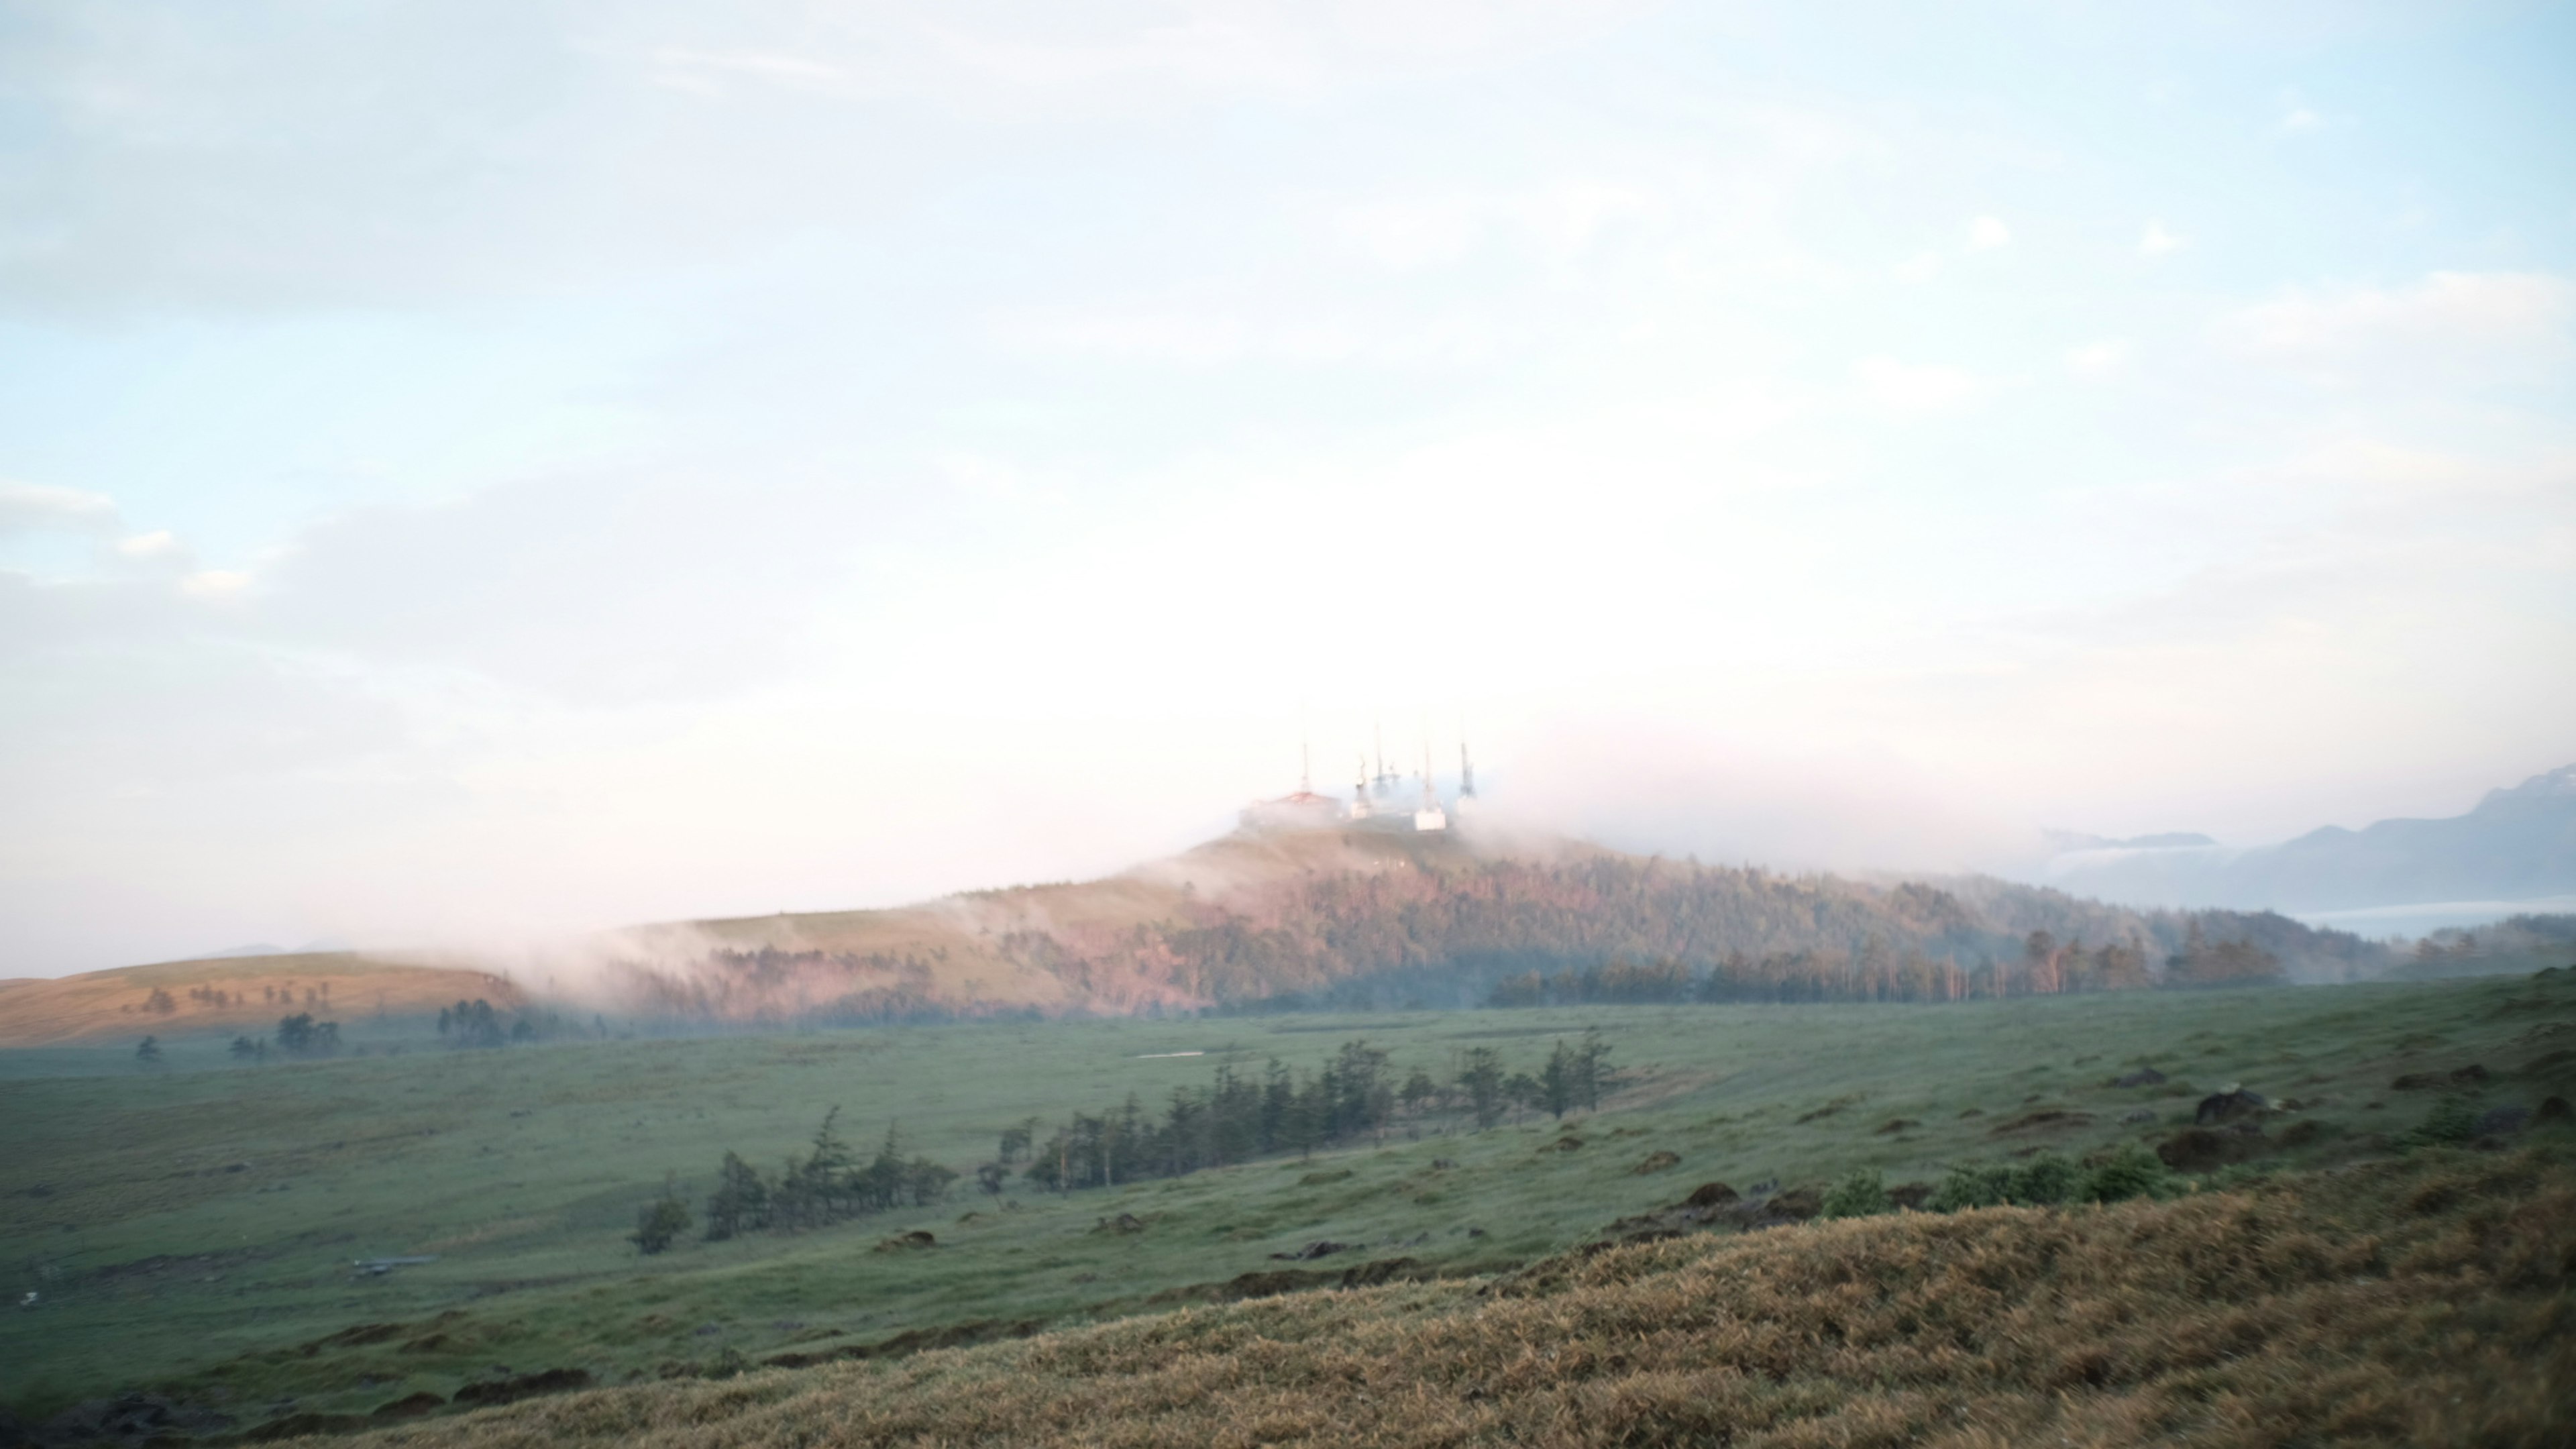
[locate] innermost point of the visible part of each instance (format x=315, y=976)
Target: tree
x=160, y=1002
x=1558, y=1086
x=1481, y=1078
x=992, y=1176
x=149, y=1053
x=244, y=1049
x=661, y=1220
x=740, y=1201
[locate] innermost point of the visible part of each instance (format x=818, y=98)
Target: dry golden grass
x=95, y=1004
x=2399, y=1303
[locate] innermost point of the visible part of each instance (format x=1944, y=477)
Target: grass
x=161, y=1264
x=2404, y=1303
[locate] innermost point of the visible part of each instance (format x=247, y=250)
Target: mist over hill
x=1285, y=919
x=2518, y=844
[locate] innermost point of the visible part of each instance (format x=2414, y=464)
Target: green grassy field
x=192, y=1230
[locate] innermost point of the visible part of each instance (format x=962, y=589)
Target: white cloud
x=1986, y=233
x=214, y=584
x=26, y=507
x=2483, y=321
x=1916, y=391
x=2098, y=359
x=158, y=544
x=2157, y=241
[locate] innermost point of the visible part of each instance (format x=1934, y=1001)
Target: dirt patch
x=914, y=1340
x=2474, y=1074
x=1711, y=1195
x=2198, y=1149
x=1320, y=1179
x=906, y=1242
x=1321, y=1248
x=1657, y=1162
x=1123, y=1224
x=2053, y=1119
x=1894, y=1125
x=1295, y=1280
x=296, y=1426
x=1567, y=1143
x=523, y=1386
x=411, y=1406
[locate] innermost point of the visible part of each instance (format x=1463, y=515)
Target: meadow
x=194, y=1229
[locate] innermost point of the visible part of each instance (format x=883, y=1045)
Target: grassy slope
x=2418, y=1303
x=95, y=1004
x=162, y=1265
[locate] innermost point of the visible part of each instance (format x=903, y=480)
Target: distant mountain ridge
x=2517, y=844
x=1280, y=918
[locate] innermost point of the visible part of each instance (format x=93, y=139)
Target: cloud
x=1986, y=233
x=1917, y=391
x=2157, y=241
x=29, y=507
x=2451, y=325
x=2098, y=359
x=144, y=547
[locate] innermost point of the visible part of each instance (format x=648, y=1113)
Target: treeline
x=827, y=1184
x=2044, y=968
x=1237, y=1116
x=297, y=1036
x=476, y=1024
x=1611, y=928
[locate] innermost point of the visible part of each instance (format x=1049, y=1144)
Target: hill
x=2416, y=1303
x=1280, y=919
x=229, y=994
x=2518, y=844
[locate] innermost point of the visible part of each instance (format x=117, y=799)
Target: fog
x=792, y=460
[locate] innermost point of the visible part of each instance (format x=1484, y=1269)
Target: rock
x=1123, y=1223
x=2142, y=1077
x=2554, y=1109
x=2048, y=1120
x=1567, y=1143
x=2503, y=1121
x=2229, y=1106
x=906, y=1242
x=1321, y=1248
x=1657, y=1162
x=1796, y=1205
x=2141, y=1114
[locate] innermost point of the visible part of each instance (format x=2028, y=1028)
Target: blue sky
x=504, y=468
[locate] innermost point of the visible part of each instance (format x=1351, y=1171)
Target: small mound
x=1657, y=1162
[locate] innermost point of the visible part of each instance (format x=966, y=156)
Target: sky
x=504, y=467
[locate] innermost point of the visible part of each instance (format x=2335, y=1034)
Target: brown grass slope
x=2392, y=1303
x=344, y=986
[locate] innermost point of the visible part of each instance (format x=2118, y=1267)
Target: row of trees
x=476, y=1024
x=827, y=1184
x=1237, y=1116
x=2045, y=968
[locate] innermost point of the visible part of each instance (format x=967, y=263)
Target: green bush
x=1971, y=1187
x=1856, y=1196
x=2131, y=1171
x=2044, y=1181
x=2453, y=1120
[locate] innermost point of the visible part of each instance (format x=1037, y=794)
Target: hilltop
x=1274, y=919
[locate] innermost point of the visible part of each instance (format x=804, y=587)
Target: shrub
x=2044, y=1181
x=2453, y=1120
x=1857, y=1196
x=1971, y=1187
x=2133, y=1170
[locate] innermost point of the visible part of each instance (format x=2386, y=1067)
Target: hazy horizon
x=499, y=470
